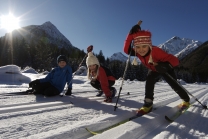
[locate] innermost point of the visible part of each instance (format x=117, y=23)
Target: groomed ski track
x=66, y=111
x=152, y=124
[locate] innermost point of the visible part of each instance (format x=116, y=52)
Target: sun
x=9, y=22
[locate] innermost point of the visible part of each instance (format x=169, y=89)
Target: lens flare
x=9, y=22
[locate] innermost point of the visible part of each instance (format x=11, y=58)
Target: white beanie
x=92, y=60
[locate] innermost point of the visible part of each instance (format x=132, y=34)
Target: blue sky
x=105, y=23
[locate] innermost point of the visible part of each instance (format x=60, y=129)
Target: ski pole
x=78, y=67
x=127, y=63
x=90, y=48
x=74, y=73
x=204, y=106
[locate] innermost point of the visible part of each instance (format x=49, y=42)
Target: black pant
x=96, y=84
x=153, y=77
x=46, y=89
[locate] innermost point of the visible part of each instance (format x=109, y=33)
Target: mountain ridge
x=180, y=47
x=36, y=32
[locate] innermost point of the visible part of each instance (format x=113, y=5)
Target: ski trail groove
x=149, y=125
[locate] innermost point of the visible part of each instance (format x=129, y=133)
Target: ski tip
x=92, y=132
x=134, y=117
x=168, y=119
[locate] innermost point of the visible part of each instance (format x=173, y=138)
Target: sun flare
x=9, y=22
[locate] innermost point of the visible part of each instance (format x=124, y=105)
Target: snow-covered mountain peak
x=49, y=26
x=48, y=23
x=36, y=32
x=118, y=56
x=181, y=41
x=121, y=57
x=180, y=46
x=175, y=38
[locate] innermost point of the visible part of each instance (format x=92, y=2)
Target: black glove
x=163, y=67
x=89, y=48
x=35, y=82
x=68, y=93
x=135, y=29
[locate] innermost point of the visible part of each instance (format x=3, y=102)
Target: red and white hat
x=143, y=38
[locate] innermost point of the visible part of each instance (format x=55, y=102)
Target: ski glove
x=163, y=67
x=68, y=93
x=135, y=29
x=89, y=48
x=35, y=82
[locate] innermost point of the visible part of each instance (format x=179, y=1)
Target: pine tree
x=116, y=67
x=21, y=52
x=43, y=57
x=101, y=58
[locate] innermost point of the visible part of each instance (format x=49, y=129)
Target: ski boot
x=113, y=91
x=147, y=107
x=184, y=105
x=30, y=91
x=100, y=93
x=108, y=100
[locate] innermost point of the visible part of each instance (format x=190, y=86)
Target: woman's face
x=93, y=67
x=142, y=49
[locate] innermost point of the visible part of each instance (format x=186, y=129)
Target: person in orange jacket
x=157, y=61
x=101, y=77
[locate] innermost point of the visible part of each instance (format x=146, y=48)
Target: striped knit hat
x=143, y=38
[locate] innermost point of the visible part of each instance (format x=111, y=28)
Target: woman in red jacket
x=159, y=64
x=101, y=77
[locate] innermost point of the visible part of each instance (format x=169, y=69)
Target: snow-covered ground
x=39, y=117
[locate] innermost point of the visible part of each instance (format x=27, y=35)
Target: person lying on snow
x=101, y=77
x=157, y=61
x=54, y=83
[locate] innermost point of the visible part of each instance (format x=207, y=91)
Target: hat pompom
x=134, y=62
x=150, y=61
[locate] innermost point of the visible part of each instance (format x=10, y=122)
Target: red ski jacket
x=158, y=55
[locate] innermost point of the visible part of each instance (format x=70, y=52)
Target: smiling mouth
x=142, y=52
